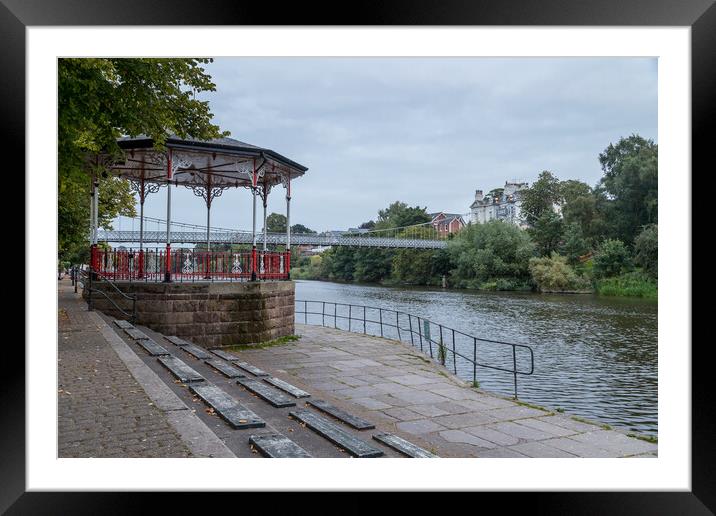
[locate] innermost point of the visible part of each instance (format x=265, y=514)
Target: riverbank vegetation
x=575, y=238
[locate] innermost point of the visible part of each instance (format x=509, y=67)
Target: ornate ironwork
x=149, y=188
x=208, y=194
x=178, y=160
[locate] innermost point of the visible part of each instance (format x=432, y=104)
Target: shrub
x=646, y=250
x=631, y=284
x=485, y=253
x=554, y=274
x=611, y=259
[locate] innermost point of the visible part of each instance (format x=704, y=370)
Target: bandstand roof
x=220, y=163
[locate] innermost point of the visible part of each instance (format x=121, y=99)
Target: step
x=349, y=419
x=277, y=446
x=176, y=340
x=286, y=387
x=152, y=347
x=180, y=370
x=123, y=324
x=405, y=447
x=335, y=434
x=196, y=351
x=227, y=407
x=226, y=369
x=274, y=397
x=135, y=333
x=252, y=369
x=225, y=355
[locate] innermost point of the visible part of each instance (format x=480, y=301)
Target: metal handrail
x=89, y=275
x=422, y=337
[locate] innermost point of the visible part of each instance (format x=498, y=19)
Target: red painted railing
x=188, y=265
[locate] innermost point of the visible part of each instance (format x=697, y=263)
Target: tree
x=276, y=223
x=574, y=244
x=300, y=229
x=546, y=232
x=100, y=100
x=399, y=215
x=631, y=181
x=646, y=250
x=572, y=189
x=540, y=197
x=611, y=259
x=490, y=253
x=367, y=225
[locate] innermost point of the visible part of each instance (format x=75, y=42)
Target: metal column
x=168, y=258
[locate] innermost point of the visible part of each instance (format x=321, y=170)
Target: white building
x=500, y=204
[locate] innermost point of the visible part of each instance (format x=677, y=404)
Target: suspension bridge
x=418, y=236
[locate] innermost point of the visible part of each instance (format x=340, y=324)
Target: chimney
x=478, y=195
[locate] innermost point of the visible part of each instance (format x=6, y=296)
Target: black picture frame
x=700, y=15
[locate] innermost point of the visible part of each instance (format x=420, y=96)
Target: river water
x=594, y=357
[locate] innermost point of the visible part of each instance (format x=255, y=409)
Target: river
x=594, y=357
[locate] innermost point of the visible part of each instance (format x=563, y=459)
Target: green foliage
x=631, y=284
x=611, y=259
x=276, y=223
x=553, y=274
x=372, y=265
x=547, y=232
x=631, y=180
x=100, y=100
x=646, y=250
x=574, y=245
x=300, y=229
x=484, y=253
x=399, y=215
x=540, y=197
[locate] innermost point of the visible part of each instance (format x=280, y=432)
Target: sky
x=424, y=131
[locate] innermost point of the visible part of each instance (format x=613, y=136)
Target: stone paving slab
x=177, y=341
x=226, y=369
x=349, y=419
x=405, y=447
x=252, y=369
x=226, y=355
x=152, y=347
x=278, y=446
x=335, y=434
x=121, y=323
x=135, y=333
x=286, y=387
x=228, y=408
x=269, y=394
x=196, y=351
x=180, y=370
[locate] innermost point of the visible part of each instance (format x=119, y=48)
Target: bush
x=646, y=250
x=631, y=284
x=553, y=274
x=611, y=259
x=483, y=254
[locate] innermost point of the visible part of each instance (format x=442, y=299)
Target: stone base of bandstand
x=208, y=314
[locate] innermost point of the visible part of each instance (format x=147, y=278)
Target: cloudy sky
x=425, y=131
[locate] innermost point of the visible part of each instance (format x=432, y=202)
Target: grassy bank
x=632, y=284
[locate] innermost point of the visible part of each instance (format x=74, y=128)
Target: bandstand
x=213, y=296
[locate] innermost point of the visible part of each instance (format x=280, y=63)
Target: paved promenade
x=102, y=410
x=117, y=400
x=402, y=392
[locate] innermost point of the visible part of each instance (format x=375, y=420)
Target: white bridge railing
x=244, y=237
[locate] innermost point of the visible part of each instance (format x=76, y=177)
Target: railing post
x=410, y=327
x=514, y=367
x=474, y=360
x=426, y=331
x=397, y=324
x=323, y=314
x=380, y=318
x=420, y=334
x=454, y=357
x=350, y=316
x=335, y=315
x=363, y=319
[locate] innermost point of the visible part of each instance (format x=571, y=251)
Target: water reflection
x=595, y=357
